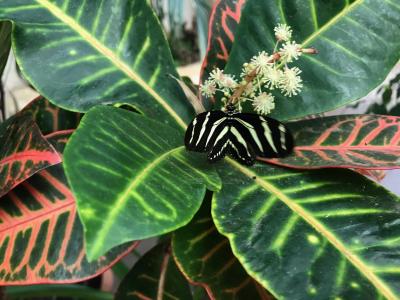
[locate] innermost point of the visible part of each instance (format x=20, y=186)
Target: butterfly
x=242, y=136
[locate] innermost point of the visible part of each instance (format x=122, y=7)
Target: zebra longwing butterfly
x=243, y=136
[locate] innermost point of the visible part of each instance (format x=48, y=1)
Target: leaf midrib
x=120, y=202
x=298, y=210
x=114, y=59
x=332, y=22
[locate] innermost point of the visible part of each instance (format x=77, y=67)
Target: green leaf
x=41, y=236
x=5, y=44
x=311, y=235
x=349, y=141
x=97, y=52
x=358, y=44
x=206, y=259
x=155, y=276
x=132, y=177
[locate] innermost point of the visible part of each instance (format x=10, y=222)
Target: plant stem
x=249, y=79
x=161, y=282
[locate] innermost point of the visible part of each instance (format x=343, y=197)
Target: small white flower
x=290, y=51
x=291, y=82
x=272, y=77
x=247, y=69
x=283, y=32
x=208, y=88
x=217, y=75
x=261, y=61
x=264, y=103
x=228, y=82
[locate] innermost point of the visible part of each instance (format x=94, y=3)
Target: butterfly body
x=243, y=136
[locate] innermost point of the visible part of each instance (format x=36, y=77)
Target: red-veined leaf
x=205, y=257
x=377, y=175
x=349, y=141
x=155, y=276
x=224, y=19
x=51, y=118
x=41, y=236
x=23, y=151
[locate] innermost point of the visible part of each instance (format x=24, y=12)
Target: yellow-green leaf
x=82, y=53
x=329, y=234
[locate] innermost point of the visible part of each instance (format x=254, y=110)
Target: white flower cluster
x=263, y=74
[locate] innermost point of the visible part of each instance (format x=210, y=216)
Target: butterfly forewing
x=203, y=131
x=243, y=136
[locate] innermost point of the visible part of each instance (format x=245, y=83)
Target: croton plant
x=97, y=163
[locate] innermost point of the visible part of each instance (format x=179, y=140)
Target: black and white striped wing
x=266, y=137
x=203, y=131
x=243, y=136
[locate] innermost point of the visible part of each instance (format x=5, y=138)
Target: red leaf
x=225, y=17
x=23, y=151
x=51, y=118
x=41, y=236
x=349, y=141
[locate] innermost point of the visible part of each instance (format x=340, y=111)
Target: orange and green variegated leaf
x=225, y=16
x=349, y=141
x=205, y=258
x=97, y=52
x=5, y=43
x=155, y=276
x=311, y=234
x=146, y=183
x=51, y=118
x=41, y=236
x=23, y=151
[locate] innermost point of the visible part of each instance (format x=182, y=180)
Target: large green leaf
x=205, y=257
x=133, y=178
x=41, y=236
x=358, y=44
x=5, y=44
x=97, y=51
x=155, y=276
x=311, y=235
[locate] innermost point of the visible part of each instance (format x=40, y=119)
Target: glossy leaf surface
x=224, y=18
x=133, y=178
x=311, y=235
x=51, y=118
x=154, y=276
x=97, y=52
x=349, y=141
x=205, y=257
x=41, y=236
x=5, y=43
x=358, y=44
x=23, y=151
